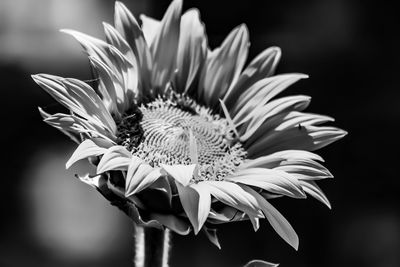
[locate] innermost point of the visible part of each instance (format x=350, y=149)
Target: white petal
x=277, y=221
x=260, y=263
x=223, y=65
x=181, y=173
x=274, y=181
x=311, y=187
x=192, y=50
x=150, y=28
x=115, y=158
x=127, y=26
x=262, y=92
x=301, y=138
x=233, y=195
x=88, y=148
x=196, y=201
x=261, y=67
x=165, y=46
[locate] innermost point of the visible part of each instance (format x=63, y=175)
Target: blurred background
x=350, y=51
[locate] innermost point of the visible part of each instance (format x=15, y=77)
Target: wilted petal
x=275, y=181
x=78, y=97
x=311, y=188
x=275, y=159
x=192, y=50
x=196, y=201
x=260, y=263
x=88, y=148
x=115, y=158
x=181, y=173
x=212, y=236
x=261, y=67
x=223, y=66
x=165, y=46
x=277, y=221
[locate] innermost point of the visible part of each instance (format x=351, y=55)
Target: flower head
x=185, y=137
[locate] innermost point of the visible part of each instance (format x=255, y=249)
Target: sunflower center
x=169, y=130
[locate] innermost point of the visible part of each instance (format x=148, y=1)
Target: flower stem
x=152, y=247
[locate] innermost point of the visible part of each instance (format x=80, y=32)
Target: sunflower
x=184, y=137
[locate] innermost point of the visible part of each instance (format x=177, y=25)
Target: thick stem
x=151, y=247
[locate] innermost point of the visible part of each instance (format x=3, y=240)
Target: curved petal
x=275, y=181
x=261, y=67
x=165, y=46
x=127, y=26
x=260, y=263
x=196, y=201
x=78, y=97
x=311, y=188
x=277, y=221
x=150, y=27
x=233, y=195
x=115, y=158
x=262, y=92
x=181, y=173
x=301, y=138
x=223, y=66
x=192, y=50
x=88, y=148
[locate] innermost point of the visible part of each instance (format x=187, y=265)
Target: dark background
x=350, y=51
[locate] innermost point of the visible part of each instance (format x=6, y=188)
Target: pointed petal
x=115, y=158
x=140, y=176
x=181, y=173
x=261, y=67
x=63, y=123
x=165, y=46
x=277, y=221
x=150, y=28
x=261, y=93
x=196, y=201
x=192, y=50
x=127, y=26
x=275, y=181
x=311, y=188
x=78, y=97
x=223, y=65
x=301, y=138
x=88, y=148
x=233, y=195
